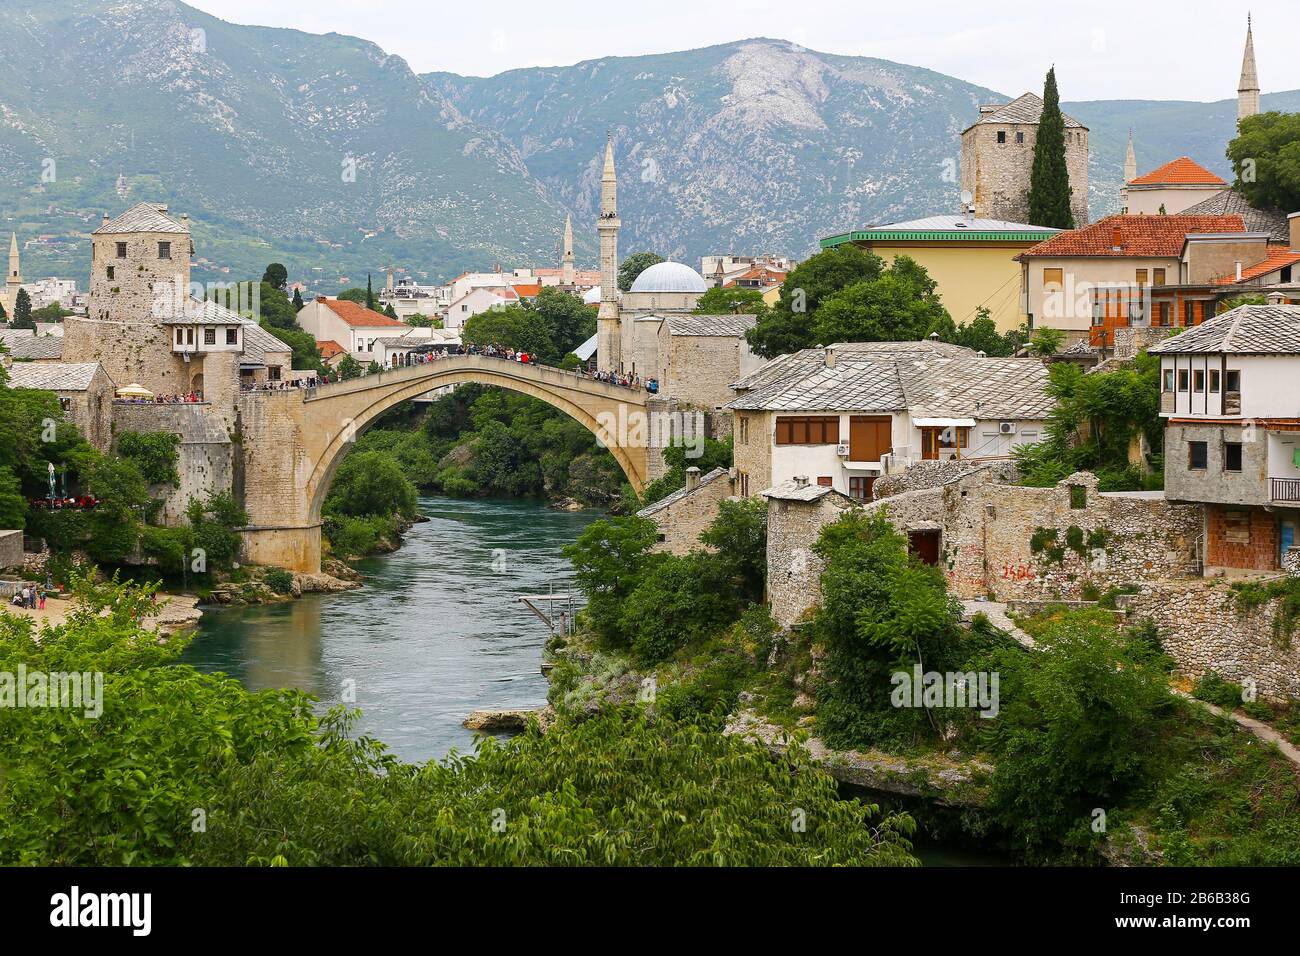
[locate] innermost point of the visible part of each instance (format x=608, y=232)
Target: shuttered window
x=808, y=431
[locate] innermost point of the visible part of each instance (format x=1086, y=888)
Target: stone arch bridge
x=293, y=440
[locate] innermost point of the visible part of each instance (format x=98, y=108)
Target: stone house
x=797, y=510
x=1232, y=438
x=84, y=389
x=849, y=414
x=687, y=512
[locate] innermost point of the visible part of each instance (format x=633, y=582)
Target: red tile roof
x=1277, y=258
x=328, y=349
x=1180, y=172
x=1138, y=236
x=527, y=291
x=358, y=316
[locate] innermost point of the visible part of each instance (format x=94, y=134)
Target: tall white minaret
x=609, y=341
x=1130, y=161
x=567, y=265
x=13, y=277
x=1248, y=88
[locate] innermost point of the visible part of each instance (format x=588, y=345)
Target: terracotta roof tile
x=358, y=316
x=1276, y=259
x=1142, y=236
x=1182, y=171
x=329, y=348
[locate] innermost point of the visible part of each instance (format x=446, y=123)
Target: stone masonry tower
x=139, y=276
x=609, y=335
x=566, y=279
x=997, y=157
x=13, y=278
x=1248, y=88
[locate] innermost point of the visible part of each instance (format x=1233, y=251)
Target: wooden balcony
x=1284, y=489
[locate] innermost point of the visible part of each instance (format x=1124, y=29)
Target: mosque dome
x=670, y=277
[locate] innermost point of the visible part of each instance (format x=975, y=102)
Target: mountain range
x=334, y=157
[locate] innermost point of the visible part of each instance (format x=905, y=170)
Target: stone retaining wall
x=1202, y=629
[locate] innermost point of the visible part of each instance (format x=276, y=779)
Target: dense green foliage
x=654, y=603
x=723, y=301
x=712, y=454
x=368, y=501
x=1049, y=177
x=547, y=328
x=1266, y=157
x=22, y=318
x=154, y=453
x=190, y=768
x=1096, y=419
x=846, y=294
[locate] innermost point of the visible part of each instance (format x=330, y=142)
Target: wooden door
x=869, y=437
x=930, y=444
x=925, y=545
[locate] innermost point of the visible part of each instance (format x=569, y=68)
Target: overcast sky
x=1103, y=49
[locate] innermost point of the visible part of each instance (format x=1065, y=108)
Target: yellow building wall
x=969, y=275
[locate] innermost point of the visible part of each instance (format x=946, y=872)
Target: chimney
x=1293, y=221
x=1116, y=240
x=105, y=217
x=1238, y=264
x=1276, y=298
x=801, y=481
x=692, y=478
x=830, y=357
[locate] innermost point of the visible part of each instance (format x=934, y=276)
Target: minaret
x=13, y=278
x=1130, y=161
x=1248, y=88
x=609, y=343
x=567, y=278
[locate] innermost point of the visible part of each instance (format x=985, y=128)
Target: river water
x=435, y=633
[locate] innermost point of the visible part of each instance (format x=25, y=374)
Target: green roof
x=945, y=229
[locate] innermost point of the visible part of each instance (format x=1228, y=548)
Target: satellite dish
x=966, y=197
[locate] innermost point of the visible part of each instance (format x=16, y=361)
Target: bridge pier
x=295, y=549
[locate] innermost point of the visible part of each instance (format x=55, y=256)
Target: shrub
x=279, y=580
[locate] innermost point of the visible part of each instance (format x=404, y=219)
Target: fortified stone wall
x=11, y=549
x=1204, y=628
x=998, y=174
x=205, y=457
x=131, y=352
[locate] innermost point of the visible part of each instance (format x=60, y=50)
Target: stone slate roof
x=732, y=326
x=53, y=376
x=257, y=342
x=791, y=490
x=680, y=493
x=1230, y=202
x=26, y=345
x=795, y=365
x=1246, y=330
x=1027, y=108
x=206, y=312
x=143, y=217
x=955, y=383
x=1001, y=388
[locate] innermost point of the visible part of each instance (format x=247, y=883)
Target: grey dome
x=670, y=277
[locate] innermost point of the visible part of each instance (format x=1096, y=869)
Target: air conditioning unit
x=842, y=451
x=1006, y=428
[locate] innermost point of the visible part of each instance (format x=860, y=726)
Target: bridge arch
x=293, y=441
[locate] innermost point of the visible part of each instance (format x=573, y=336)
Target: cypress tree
x=370, y=293
x=297, y=300
x=1049, y=181
x=23, y=311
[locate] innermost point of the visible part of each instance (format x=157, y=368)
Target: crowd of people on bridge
x=282, y=385
x=186, y=398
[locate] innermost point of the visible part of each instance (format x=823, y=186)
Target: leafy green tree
x=1266, y=157
x=390, y=311
x=124, y=502
x=738, y=536
x=982, y=335
x=609, y=560
x=788, y=326
x=712, y=454
x=1093, y=424
x=900, y=305
x=54, y=312
x=154, y=453
x=3, y=314
x=1049, y=178
x=634, y=265
x=23, y=311
x=306, y=353
x=13, y=506
x=349, y=368
x=354, y=294
x=1046, y=341
x=733, y=301
x=371, y=483
x=277, y=276
x=569, y=321
x=1078, y=727
x=213, y=525
x=423, y=322
x=882, y=612
x=512, y=327
x=680, y=601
